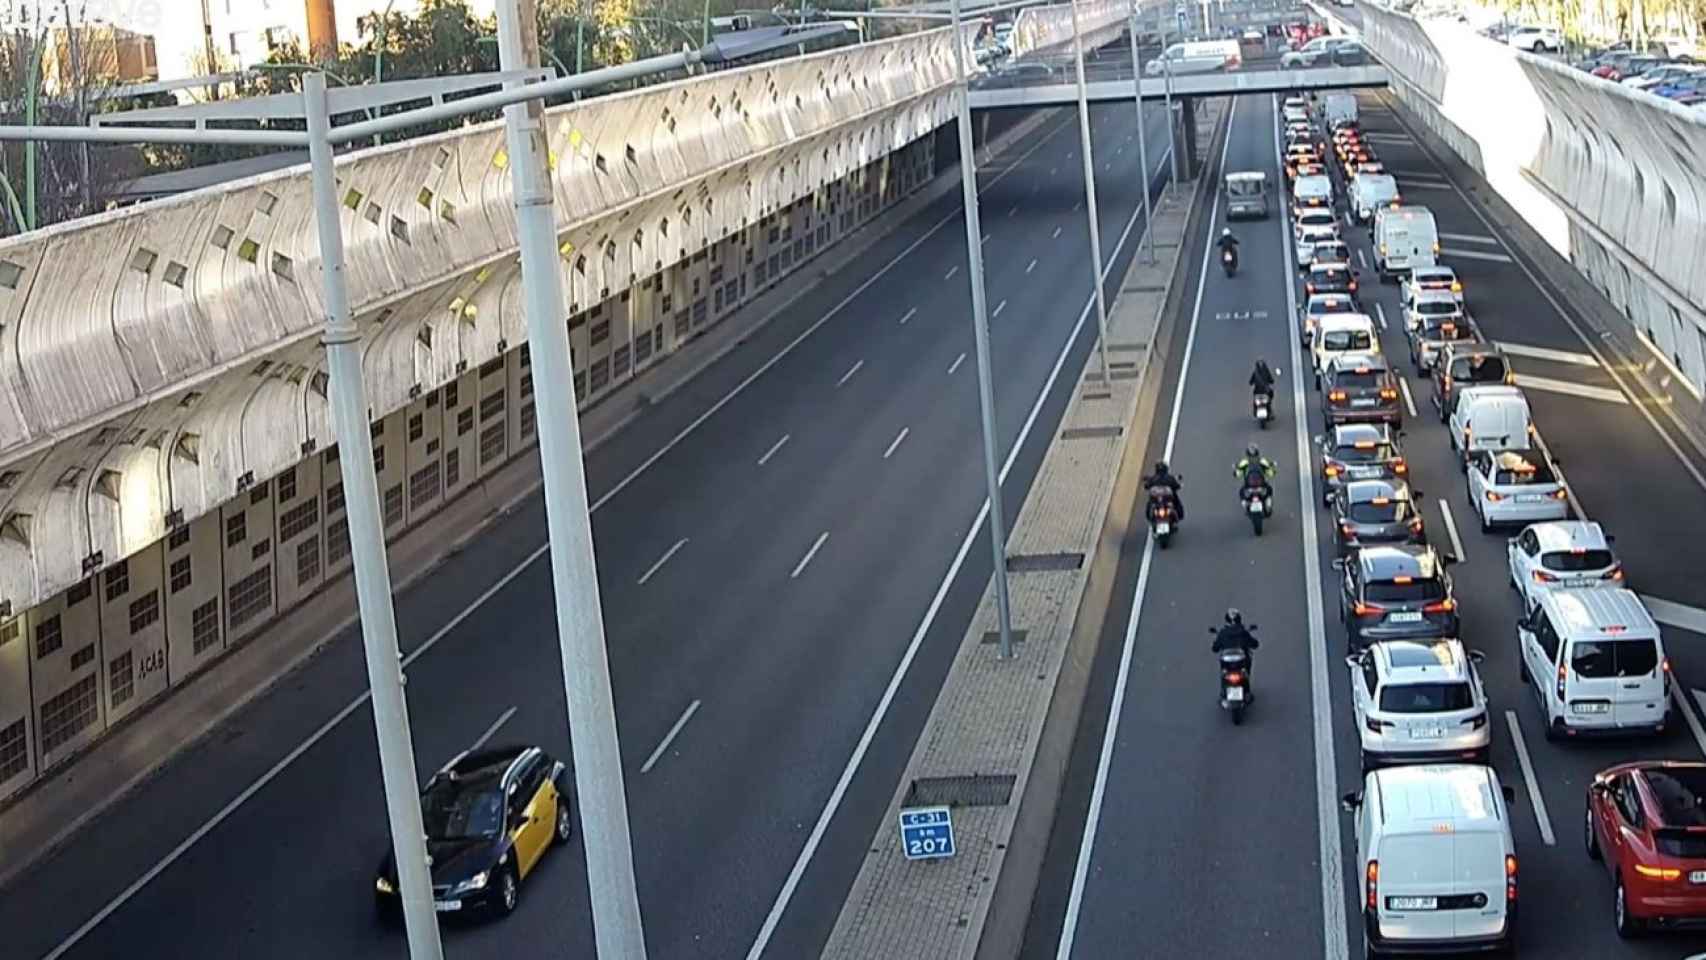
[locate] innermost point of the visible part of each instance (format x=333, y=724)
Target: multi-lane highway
x=770, y=540
x=1207, y=840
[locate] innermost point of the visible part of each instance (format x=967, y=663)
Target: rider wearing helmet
x=1227, y=240
x=1163, y=483
x=1262, y=379
x=1234, y=635
x=1254, y=466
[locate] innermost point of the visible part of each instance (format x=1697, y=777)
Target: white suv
x=1536, y=39
x=1419, y=701
x=1552, y=556
x=1515, y=487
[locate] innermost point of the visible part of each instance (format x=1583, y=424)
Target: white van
x=1595, y=662
x=1371, y=191
x=1197, y=56
x=1342, y=333
x=1404, y=237
x=1315, y=190
x=1490, y=417
x=1437, y=861
x=1339, y=109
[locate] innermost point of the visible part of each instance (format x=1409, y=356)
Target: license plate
x=1697, y=876
x=1427, y=733
x=1531, y=498
x=1412, y=903
x=1163, y=527
x=447, y=906
x=1235, y=694
x=1363, y=473
x=1591, y=707
x=1363, y=402
x=1262, y=413
x=1255, y=505
x=1405, y=616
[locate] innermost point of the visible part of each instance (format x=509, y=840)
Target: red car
x=1647, y=822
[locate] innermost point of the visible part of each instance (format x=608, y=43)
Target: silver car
x=1419, y=701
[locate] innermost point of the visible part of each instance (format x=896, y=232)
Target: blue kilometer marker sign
x=927, y=833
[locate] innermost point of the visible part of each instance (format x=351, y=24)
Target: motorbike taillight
x=1234, y=677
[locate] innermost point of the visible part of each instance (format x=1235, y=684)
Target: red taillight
x=1388, y=394
x=1400, y=467
x=1615, y=573
x=1234, y=677
x=1369, y=609
x=1353, y=284
x=1336, y=396
x=1658, y=873
x=1541, y=576
x=1309, y=287
x=1510, y=878
x=1441, y=606
x=1493, y=496
x=1563, y=674
x=1560, y=494
x=1372, y=878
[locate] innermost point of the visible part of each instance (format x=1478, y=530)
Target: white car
x=1322, y=305
x=1536, y=39
x=1515, y=486
x=1553, y=556
x=1297, y=103
x=1308, y=238
x=1419, y=701
x=1426, y=305
x=1330, y=251
x=1296, y=115
x=1341, y=333
x=1437, y=277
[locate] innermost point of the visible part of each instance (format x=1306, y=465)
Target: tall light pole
x=980, y=333
x=1142, y=145
x=574, y=574
x=1090, y=195
x=348, y=396
x=379, y=39
x=1167, y=93
x=306, y=69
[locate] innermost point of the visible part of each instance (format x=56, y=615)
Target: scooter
x=1258, y=504
x=1163, y=515
x=1229, y=260
x=1262, y=406
x=1235, y=693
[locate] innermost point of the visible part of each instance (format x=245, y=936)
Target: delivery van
x=1595, y=662
x=1339, y=110
x=1494, y=417
x=1404, y=237
x=1197, y=56
x=1370, y=192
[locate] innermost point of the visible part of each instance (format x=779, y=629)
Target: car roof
x=1491, y=391
x=1598, y=612
x=1517, y=461
x=491, y=765
x=1416, y=661
x=1323, y=267
x=1316, y=211
x=1436, y=296
x=1346, y=321
x=1569, y=535
x=1316, y=180
x=1465, y=794
x=1437, y=270
x=1328, y=298
x=1386, y=561
x=1246, y=175
x=1371, y=362
x=1351, y=433
x=1364, y=491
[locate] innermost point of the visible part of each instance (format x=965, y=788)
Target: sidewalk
x=998, y=724
x=47, y=814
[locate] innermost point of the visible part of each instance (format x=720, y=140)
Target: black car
x=1360, y=388
x=1463, y=364
x=489, y=817
x=1359, y=451
x=1331, y=278
x=1349, y=55
x=1396, y=592
x=1367, y=512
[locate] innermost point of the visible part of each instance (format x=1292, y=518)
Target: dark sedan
x=1359, y=451
x=1331, y=278
x=1395, y=593
x=1375, y=512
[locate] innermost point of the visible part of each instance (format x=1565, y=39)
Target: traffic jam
x=1430, y=821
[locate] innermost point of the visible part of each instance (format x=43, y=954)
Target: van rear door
x=1619, y=679
x=1478, y=893
x=1417, y=874
x=1498, y=423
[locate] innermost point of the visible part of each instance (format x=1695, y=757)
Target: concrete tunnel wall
x=1607, y=176
x=240, y=459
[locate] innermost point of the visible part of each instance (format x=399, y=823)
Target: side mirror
x=1510, y=794
x=1350, y=802
x=1355, y=660
x=1321, y=441
x=1418, y=495
x=1338, y=563
x=1599, y=787
x=1609, y=540
x=1524, y=625
x=1477, y=657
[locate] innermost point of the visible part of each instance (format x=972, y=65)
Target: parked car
x=1536, y=39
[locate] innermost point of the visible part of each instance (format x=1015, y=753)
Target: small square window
x=143, y=260
x=222, y=237
x=249, y=250
x=11, y=274
x=269, y=202
x=175, y=274
x=353, y=198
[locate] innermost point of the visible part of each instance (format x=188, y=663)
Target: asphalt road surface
x=1210, y=840
x=770, y=562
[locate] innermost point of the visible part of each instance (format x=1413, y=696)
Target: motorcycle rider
x=1262, y=380
x=1234, y=635
x=1163, y=482
x=1228, y=243
x=1255, y=467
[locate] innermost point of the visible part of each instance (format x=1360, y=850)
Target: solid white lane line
x=1055, y=235
x=1538, y=802
x=1678, y=615
x=492, y=730
x=815, y=838
x=986, y=238
x=1687, y=708
x=321, y=732
x=816, y=546
x=1362, y=257
x=910, y=313
x=1450, y=252
x=951, y=271
x=1012, y=210
x=1570, y=321
x=772, y=451
x=1031, y=266
x=1546, y=353
x=1451, y=528
x=1350, y=223
x=956, y=364
x=1076, y=204
x=1470, y=238
x=897, y=439
x=1585, y=391
x=1380, y=314
x=1404, y=388
x=669, y=737
x=850, y=372
x=672, y=551
x=998, y=308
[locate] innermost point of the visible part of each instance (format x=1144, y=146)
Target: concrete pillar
x=1184, y=138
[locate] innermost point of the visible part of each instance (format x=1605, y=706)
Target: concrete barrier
x=1039, y=30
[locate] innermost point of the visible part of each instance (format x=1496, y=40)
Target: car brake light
x=1399, y=466
x=1615, y=573
x=1388, y=394
x=1510, y=878
x=1658, y=873
x=1541, y=576
x=1348, y=529
x=1372, y=876
x=1331, y=470
x=1494, y=496
x=1456, y=287
x=1310, y=287
x=1441, y=606
x=1353, y=284
x=1560, y=494
x=1336, y=396
x=1563, y=675
x=1369, y=609
x=1665, y=665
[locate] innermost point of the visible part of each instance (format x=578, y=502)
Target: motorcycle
x=1262, y=406
x=1163, y=514
x=1235, y=692
x=1229, y=260
x=1258, y=499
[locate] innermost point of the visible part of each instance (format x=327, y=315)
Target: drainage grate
x=976, y=790
x=1122, y=364
x=1145, y=287
x=1123, y=374
x=1044, y=562
x=994, y=636
x=1081, y=433
x=1128, y=346
x=1096, y=395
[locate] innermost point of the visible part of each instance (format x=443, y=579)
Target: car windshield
x=1332, y=252
x=1347, y=340
x=1244, y=188
x=1426, y=697
x=1436, y=308
x=1374, y=454
x=1681, y=795
x=1392, y=511
x=1359, y=379
x=1315, y=218
x=1413, y=591
x=1331, y=275
x=1572, y=561
x=454, y=811
x=1482, y=368
x=1434, y=279
x=1514, y=470
x=1604, y=659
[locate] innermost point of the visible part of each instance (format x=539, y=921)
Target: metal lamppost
x=1142, y=144
x=307, y=68
x=980, y=331
x=1090, y=195
x=1167, y=93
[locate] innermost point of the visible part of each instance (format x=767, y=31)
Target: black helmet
x=1252, y=451
x=1233, y=617
x=1160, y=467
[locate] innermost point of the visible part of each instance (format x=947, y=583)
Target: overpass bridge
x=1218, y=84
